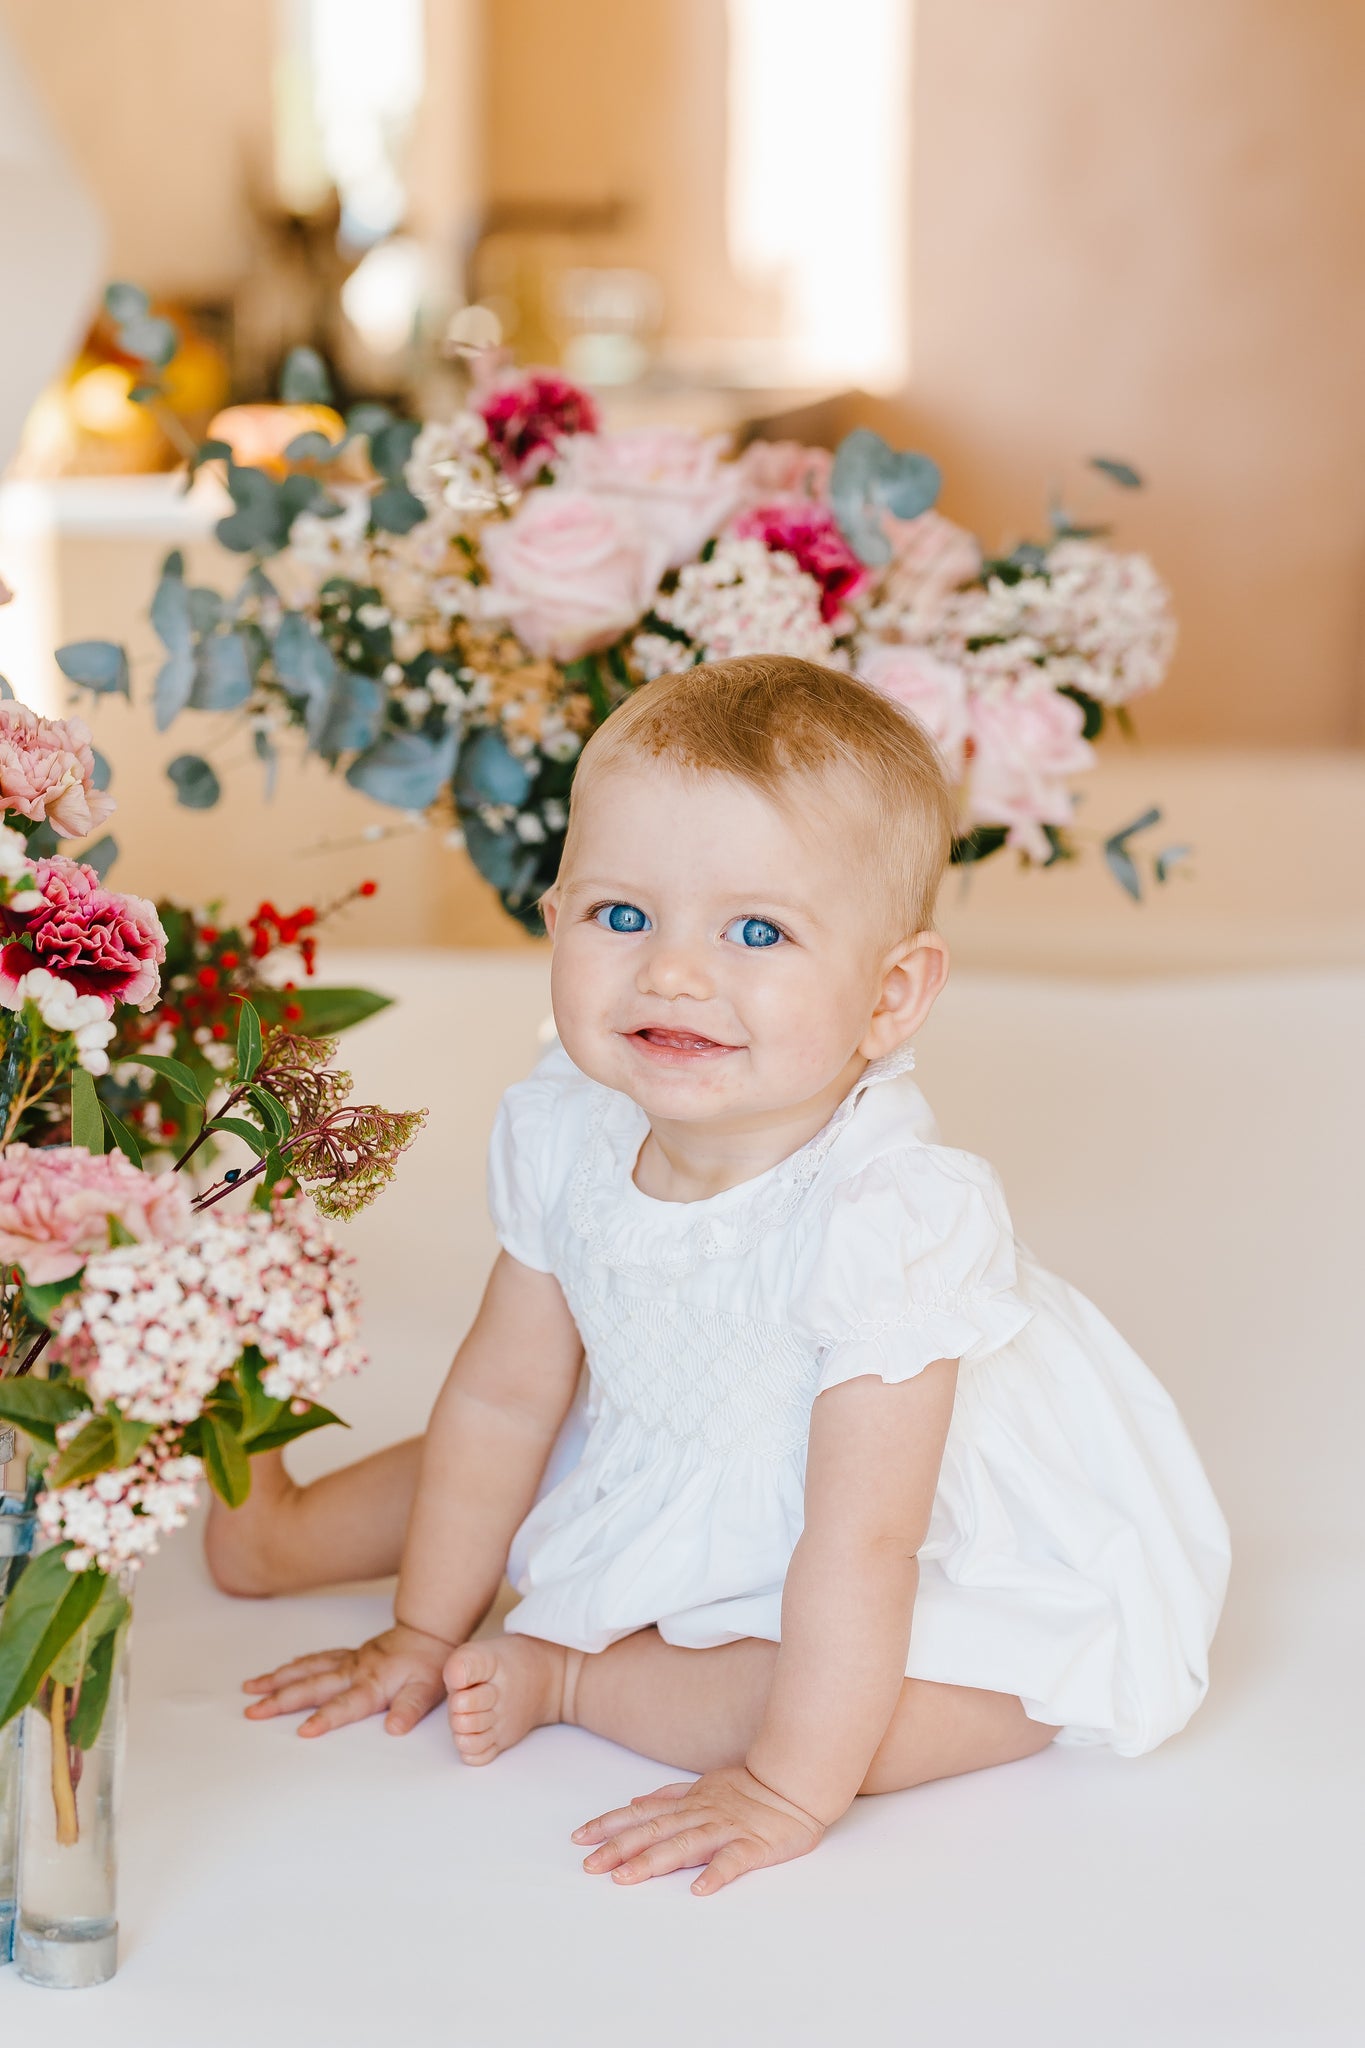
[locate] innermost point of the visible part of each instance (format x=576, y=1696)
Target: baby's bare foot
x=500, y=1690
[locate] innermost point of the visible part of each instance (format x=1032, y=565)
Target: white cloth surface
x=1075, y=1555
x=1188, y=1153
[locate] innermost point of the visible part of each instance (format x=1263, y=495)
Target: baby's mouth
x=680, y=1044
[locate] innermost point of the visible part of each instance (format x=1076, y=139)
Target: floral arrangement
x=149, y=1338
x=445, y=611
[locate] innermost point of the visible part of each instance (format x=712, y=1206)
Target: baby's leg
x=287, y=1538
x=697, y=1710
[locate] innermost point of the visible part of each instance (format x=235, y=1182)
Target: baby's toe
x=473, y=1699
x=471, y=1723
x=471, y=1664
x=476, y=1749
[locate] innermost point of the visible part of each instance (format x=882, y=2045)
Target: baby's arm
x=871, y=1473
x=486, y=1447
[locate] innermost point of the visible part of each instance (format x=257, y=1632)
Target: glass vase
x=66, y=1926
x=16, y=1540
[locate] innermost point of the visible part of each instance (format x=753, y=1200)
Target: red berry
x=171, y=1017
x=292, y=1013
x=207, y=977
x=220, y=1030
x=291, y=984
x=229, y=959
x=209, y=934
x=368, y=889
x=169, y=1127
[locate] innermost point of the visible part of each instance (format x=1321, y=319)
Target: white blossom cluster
x=744, y=600
x=450, y=468
x=118, y=1518
x=62, y=1009
x=1098, y=621
x=155, y=1326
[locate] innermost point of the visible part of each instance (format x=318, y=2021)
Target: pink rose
x=811, y=536
x=570, y=572
x=931, y=558
x=528, y=415
x=47, y=770
x=101, y=943
x=934, y=691
x=671, y=483
x=1025, y=742
x=56, y=1202
x=783, y=469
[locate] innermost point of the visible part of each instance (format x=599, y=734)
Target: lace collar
x=633, y=1232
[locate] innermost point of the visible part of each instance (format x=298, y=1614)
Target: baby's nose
x=671, y=970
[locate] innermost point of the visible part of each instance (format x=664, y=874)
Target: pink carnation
x=935, y=691
x=783, y=469
x=47, y=770
x=671, y=484
x=811, y=536
x=101, y=943
x=56, y=1202
x=569, y=572
x=931, y=558
x=1026, y=740
x=527, y=416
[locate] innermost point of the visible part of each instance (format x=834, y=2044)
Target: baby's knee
x=243, y=1546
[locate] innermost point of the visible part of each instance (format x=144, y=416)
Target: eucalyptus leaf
x=391, y=448
x=125, y=301
x=150, y=338
x=304, y=379
x=351, y=718
x=490, y=773
x=196, y=785
x=311, y=447
x=404, y=769
x=205, y=607
x=268, y=755
x=1121, y=473
x=222, y=674
x=171, y=607
x=6, y=692
x=209, y=451
x=98, y=665
x=1123, y=868
x=173, y=688
x=102, y=776
x=102, y=855
x=396, y=509
x=869, y=479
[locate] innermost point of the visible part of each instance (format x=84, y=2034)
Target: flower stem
x=40, y=1345
x=204, y=1133
x=63, y=1791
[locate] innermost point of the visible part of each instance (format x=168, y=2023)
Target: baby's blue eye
x=753, y=931
x=621, y=917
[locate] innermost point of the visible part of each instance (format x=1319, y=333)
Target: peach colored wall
x=1139, y=229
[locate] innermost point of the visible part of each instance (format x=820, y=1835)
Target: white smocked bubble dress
x=1076, y=1556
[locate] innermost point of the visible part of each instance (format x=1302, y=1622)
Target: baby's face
x=712, y=959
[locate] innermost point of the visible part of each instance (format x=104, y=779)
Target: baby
x=851, y=1493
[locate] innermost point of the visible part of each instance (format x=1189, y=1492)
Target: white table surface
x=1187, y=1152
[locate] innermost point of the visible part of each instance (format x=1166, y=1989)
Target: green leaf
x=209, y=451
x=143, y=394
x=1170, y=858
x=196, y=785
x=979, y=845
x=390, y=449
x=85, y=1724
x=109, y=1613
x=289, y=1426
x=98, y=665
x=1121, y=473
x=325, y=1010
x=182, y=1080
x=150, y=338
x=225, y=1461
x=42, y=1302
x=40, y=1406
x=122, y=1136
x=93, y=1449
x=396, y=509
x=87, y=1125
x=44, y=1610
x=261, y=1411
x=238, y=1127
x=248, y=1042
x=273, y=1113
x=304, y=379
x=1123, y=868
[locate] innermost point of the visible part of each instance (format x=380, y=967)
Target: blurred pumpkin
x=258, y=435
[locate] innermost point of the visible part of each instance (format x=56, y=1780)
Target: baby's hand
x=397, y=1674
x=726, y=1819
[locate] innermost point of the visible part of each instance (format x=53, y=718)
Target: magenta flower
x=47, y=770
x=527, y=417
x=56, y=1202
x=101, y=943
x=810, y=535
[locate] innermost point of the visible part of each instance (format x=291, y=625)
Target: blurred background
x=1012, y=233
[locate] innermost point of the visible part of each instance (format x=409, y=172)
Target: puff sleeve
x=522, y=1155
x=914, y=1262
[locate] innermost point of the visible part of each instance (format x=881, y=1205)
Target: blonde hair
x=772, y=721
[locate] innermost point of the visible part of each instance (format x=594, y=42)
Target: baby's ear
x=548, y=907
x=912, y=979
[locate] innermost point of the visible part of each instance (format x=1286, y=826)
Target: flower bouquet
x=149, y=1337
x=445, y=611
